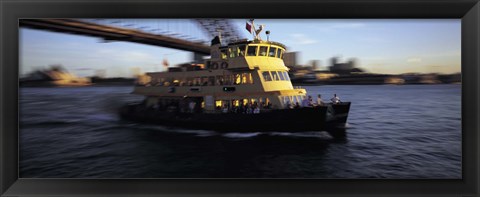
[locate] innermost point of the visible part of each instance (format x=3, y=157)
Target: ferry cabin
x=240, y=73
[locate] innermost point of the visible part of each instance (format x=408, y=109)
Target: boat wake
x=199, y=133
x=241, y=135
x=308, y=134
x=237, y=135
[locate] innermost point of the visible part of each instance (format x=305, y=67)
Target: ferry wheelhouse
x=243, y=86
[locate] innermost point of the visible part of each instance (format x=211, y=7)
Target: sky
x=390, y=46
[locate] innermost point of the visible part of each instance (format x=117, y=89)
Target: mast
x=255, y=32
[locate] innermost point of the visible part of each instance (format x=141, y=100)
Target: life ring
x=224, y=65
x=215, y=66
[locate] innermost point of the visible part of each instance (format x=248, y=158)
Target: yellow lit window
x=233, y=52
x=224, y=53
x=238, y=79
x=218, y=103
x=247, y=78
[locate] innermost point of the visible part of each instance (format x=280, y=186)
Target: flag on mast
x=249, y=27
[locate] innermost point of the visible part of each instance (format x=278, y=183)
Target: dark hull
x=287, y=120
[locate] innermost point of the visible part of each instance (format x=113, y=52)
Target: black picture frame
x=11, y=11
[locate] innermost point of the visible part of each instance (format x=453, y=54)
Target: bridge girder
x=229, y=33
x=114, y=33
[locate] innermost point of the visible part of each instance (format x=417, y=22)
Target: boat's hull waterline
x=331, y=116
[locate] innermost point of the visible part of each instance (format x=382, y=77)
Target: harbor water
x=405, y=131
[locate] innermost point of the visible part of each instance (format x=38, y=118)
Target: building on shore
x=349, y=74
x=344, y=68
x=56, y=75
x=290, y=59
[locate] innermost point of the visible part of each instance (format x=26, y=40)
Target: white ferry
x=243, y=87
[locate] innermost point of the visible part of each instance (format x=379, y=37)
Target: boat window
x=244, y=78
x=176, y=82
x=219, y=80
x=238, y=79
x=263, y=51
x=241, y=50
x=266, y=76
x=189, y=81
x=218, y=103
x=224, y=53
x=233, y=52
x=280, y=74
x=168, y=82
x=272, y=51
x=244, y=101
x=211, y=80
x=247, y=78
x=280, y=53
x=183, y=81
x=204, y=81
x=236, y=103
x=231, y=79
x=275, y=76
x=252, y=50
x=228, y=79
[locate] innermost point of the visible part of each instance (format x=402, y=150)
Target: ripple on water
x=76, y=133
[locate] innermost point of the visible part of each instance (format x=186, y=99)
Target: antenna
x=258, y=31
x=219, y=30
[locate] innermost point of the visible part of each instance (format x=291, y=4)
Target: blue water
x=407, y=131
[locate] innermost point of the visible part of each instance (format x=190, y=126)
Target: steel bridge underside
x=110, y=33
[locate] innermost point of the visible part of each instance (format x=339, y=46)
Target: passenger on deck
x=256, y=110
x=225, y=108
x=335, y=99
x=288, y=105
x=310, y=101
x=249, y=109
x=319, y=100
x=269, y=105
x=305, y=102
x=297, y=105
x=191, y=106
